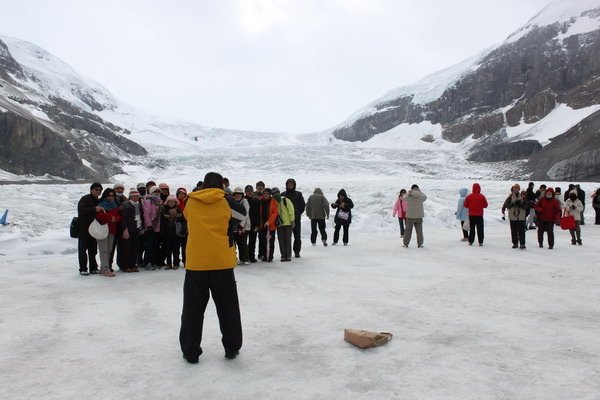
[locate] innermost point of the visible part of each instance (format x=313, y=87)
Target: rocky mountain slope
x=48, y=124
x=500, y=102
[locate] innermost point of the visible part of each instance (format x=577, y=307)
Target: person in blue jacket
x=462, y=214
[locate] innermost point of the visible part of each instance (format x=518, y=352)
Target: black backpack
x=74, y=228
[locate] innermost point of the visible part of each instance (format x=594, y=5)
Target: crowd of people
x=533, y=209
x=147, y=227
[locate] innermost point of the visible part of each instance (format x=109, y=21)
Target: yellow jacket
x=207, y=214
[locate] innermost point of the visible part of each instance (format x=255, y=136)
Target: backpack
x=74, y=228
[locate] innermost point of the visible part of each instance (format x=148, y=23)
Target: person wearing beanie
x=260, y=186
x=152, y=208
x=87, y=247
x=254, y=212
x=517, y=206
x=149, y=185
x=210, y=269
x=132, y=216
x=171, y=231
x=548, y=213
x=164, y=191
x=475, y=203
x=141, y=187
x=268, y=213
x=574, y=207
x=343, y=216
x=299, y=205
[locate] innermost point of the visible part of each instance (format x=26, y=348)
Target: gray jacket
x=317, y=206
x=415, y=199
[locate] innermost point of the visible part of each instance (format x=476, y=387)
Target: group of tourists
x=539, y=209
x=147, y=228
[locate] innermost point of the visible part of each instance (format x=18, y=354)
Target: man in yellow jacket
x=209, y=268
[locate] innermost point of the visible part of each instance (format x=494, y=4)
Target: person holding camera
x=517, y=205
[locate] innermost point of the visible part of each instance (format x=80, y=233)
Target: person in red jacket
x=549, y=210
x=267, y=225
x=475, y=203
x=111, y=216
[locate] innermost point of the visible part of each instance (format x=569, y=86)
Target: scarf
x=107, y=205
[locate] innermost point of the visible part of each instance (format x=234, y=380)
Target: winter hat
x=181, y=189
x=119, y=185
x=267, y=190
x=140, y=185
x=163, y=186
x=171, y=198
x=238, y=190
x=133, y=192
x=260, y=183
x=153, y=189
x=275, y=191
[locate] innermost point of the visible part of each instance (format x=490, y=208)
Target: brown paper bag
x=366, y=339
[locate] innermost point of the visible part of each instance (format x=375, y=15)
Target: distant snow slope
x=573, y=11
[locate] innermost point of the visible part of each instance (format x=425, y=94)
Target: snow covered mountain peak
x=580, y=16
x=47, y=74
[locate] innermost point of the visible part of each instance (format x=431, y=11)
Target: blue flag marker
x=3, y=219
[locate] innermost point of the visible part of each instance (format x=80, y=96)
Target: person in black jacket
x=596, y=205
x=581, y=197
x=531, y=198
x=299, y=205
x=343, y=216
x=86, y=244
x=254, y=203
x=132, y=222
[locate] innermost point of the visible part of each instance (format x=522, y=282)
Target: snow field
x=468, y=322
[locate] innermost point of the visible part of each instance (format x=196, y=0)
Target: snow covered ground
x=468, y=322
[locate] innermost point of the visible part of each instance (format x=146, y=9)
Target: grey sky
x=272, y=65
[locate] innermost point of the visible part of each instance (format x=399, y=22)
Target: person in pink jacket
x=152, y=205
x=400, y=209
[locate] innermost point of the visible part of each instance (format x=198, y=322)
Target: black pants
x=297, y=231
x=183, y=243
x=476, y=226
x=262, y=244
x=597, y=210
x=252, y=244
x=129, y=250
x=465, y=233
x=142, y=248
x=336, y=233
x=87, y=247
x=117, y=248
x=284, y=234
x=401, y=222
x=241, y=240
x=517, y=232
x=546, y=226
x=197, y=289
x=314, y=224
x=171, y=244
x=151, y=242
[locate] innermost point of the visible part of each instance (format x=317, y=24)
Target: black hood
x=293, y=183
x=343, y=193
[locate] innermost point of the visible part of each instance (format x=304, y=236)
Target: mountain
x=523, y=99
x=56, y=123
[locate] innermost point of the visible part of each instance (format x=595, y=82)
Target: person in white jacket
x=574, y=207
x=244, y=227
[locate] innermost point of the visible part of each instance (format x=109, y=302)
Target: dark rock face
x=508, y=151
x=9, y=64
x=530, y=76
x=572, y=156
x=27, y=147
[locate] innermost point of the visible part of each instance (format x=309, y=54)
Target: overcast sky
x=268, y=65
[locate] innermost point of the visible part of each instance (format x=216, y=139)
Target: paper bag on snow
x=366, y=339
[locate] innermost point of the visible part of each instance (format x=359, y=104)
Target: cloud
x=258, y=16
